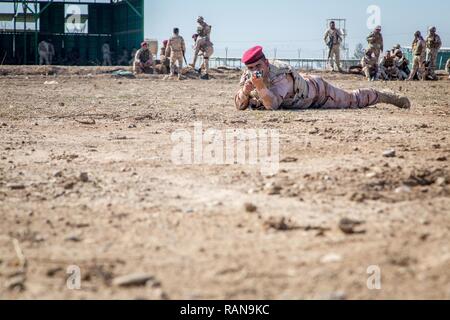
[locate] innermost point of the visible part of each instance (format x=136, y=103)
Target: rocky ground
x=87, y=185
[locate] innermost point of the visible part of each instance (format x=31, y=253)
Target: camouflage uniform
x=434, y=43
x=375, y=42
x=402, y=65
x=418, y=49
x=203, y=47
x=298, y=91
x=203, y=44
x=370, y=67
x=334, y=36
x=175, y=49
x=388, y=68
x=43, y=49
x=447, y=67
x=106, y=50
x=143, y=61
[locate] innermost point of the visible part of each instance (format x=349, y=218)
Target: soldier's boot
x=205, y=76
x=396, y=100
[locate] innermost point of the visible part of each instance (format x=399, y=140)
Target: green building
x=443, y=56
x=77, y=29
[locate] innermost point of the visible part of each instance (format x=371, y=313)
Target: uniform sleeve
x=240, y=100
x=325, y=36
x=281, y=86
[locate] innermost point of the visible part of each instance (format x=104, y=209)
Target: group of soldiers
x=172, y=54
x=392, y=65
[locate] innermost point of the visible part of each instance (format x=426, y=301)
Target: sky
x=288, y=26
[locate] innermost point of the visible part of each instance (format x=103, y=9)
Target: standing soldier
x=205, y=49
x=434, y=43
x=276, y=85
x=43, y=49
x=333, y=39
x=375, y=42
x=51, y=51
x=143, y=61
x=203, y=44
x=370, y=65
x=418, y=50
x=106, y=50
x=176, y=49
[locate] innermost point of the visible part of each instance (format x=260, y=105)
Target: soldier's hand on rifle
x=248, y=87
x=258, y=82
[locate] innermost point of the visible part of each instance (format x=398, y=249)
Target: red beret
x=165, y=42
x=252, y=55
x=143, y=43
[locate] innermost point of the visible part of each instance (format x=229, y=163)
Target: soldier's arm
x=382, y=44
x=242, y=99
x=168, y=49
x=137, y=56
x=325, y=37
x=270, y=100
x=183, y=45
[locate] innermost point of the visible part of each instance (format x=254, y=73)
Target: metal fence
x=304, y=64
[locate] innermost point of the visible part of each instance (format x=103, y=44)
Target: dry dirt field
x=86, y=180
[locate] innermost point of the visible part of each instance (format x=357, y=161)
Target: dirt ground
x=87, y=180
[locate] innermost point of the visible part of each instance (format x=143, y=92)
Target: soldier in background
x=204, y=49
x=447, y=68
x=133, y=55
x=176, y=48
x=418, y=50
x=276, y=85
x=369, y=65
x=43, y=49
x=143, y=61
x=164, y=66
x=375, y=42
x=402, y=64
x=434, y=43
x=333, y=39
x=123, y=59
x=51, y=51
x=203, y=44
x=106, y=50
x=388, y=68
x=395, y=48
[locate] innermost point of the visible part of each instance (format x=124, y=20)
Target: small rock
x=441, y=158
x=54, y=271
x=132, y=126
x=69, y=185
x=441, y=181
x=84, y=177
x=133, y=280
x=250, y=207
x=389, y=153
x=16, y=186
x=73, y=238
x=16, y=282
x=347, y=226
x=289, y=160
x=58, y=174
x=402, y=189
x=331, y=258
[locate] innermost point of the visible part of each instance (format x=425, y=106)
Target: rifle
x=4, y=57
x=330, y=45
x=184, y=57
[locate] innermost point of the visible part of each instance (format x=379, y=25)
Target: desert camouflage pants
x=432, y=57
x=418, y=67
x=322, y=94
x=176, y=57
x=335, y=57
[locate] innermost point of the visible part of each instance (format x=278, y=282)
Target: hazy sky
x=289, y=25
